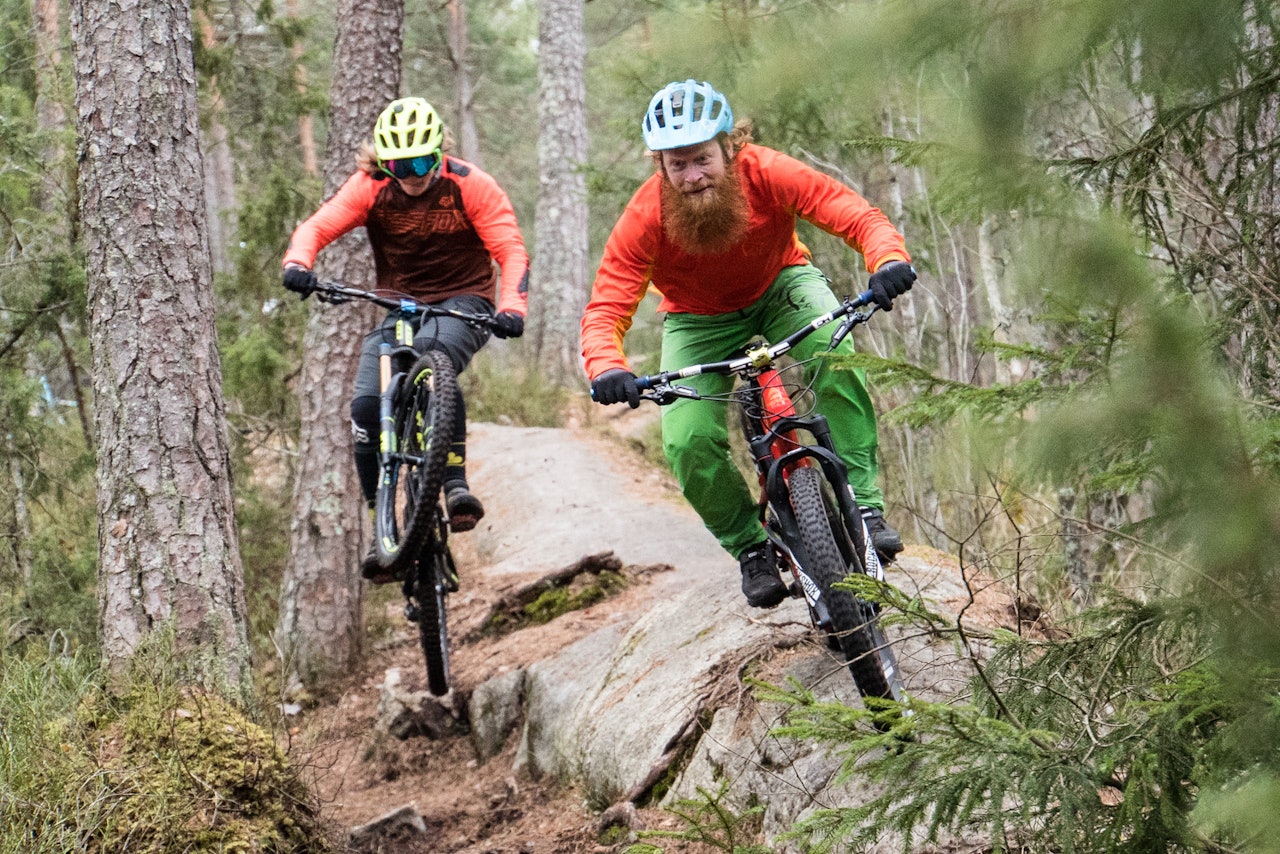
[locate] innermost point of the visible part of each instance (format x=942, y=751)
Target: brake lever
x=851, y=320
x=662, y=395
x=332, y=297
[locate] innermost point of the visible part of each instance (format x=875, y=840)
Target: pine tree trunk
x=51, y=116
x=219, y=174
x=306, y=126
x=468, y=136
x=558, y=290
x=319, y=628
x=168, y=553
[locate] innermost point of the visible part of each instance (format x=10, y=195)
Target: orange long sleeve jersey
x=440, y=244
x=778, y=189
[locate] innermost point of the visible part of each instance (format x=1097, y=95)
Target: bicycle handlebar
x=336, y=293
x=659, y=386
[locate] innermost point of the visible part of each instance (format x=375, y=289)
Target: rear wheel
x=412, y=471
x=854, y=625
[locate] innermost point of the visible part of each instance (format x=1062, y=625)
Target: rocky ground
x=553, y=497
x=561, y=494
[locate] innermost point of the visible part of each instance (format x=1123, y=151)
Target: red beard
x=710, y=223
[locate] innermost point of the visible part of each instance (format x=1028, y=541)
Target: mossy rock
x=195, y=774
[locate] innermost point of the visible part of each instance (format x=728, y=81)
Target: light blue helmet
x=685, y=114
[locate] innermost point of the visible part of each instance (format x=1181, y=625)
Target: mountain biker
x=437, y=225
x=713, y=231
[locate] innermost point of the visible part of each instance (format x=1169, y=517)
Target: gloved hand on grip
x=299, y=279
x=508, y=324
x=615, y=386
x=892, y=280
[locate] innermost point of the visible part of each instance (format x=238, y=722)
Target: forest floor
x=467, y=805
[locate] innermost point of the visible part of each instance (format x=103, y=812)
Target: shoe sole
x=462, y=524
x=377, y=575
x=465, y=514
x=772, y=600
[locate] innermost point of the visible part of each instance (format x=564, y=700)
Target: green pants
x=695, y=433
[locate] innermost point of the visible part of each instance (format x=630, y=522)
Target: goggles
x=412, y=166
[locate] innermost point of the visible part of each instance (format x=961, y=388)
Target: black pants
x=458, y=340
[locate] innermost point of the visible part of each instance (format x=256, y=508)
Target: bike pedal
x=411, y=612
x=794, y=590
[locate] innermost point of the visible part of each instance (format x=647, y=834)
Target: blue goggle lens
x=412, y=166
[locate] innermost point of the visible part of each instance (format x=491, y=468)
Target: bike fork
x=386, y=416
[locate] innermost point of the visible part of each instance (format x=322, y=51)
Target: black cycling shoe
x=887, y=541
x=464, y=509
x=371, y=570
x=760, y=580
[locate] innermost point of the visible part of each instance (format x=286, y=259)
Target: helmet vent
x=685, y=113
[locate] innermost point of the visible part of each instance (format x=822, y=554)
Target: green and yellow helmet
x=407, y=128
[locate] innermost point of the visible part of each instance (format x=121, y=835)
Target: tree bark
x=319, y=629
x=219, y=173
x=468, y=136
x=558, y=289
x=306, y=126
x=50, y=114
x=168, y=553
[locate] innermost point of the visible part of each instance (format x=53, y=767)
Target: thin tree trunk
x=77, y=389
x=306, y=126
x=219, y=174
x=20, y=541
x=50, y=113
x=168, y=554
x=468, y=136
x=319, y=628
x=559, y=276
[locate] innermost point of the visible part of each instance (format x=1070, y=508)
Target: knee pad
x=364, y=420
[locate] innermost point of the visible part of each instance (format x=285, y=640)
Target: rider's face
x=695, y=171
x=416, y=185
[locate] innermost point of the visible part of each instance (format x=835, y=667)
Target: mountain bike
x=808, y=508
x=415, y=413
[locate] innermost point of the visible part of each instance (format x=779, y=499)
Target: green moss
x=615, y=835
x=561, y=600
x=146, y=768
x=192, y=773
x=583, y=591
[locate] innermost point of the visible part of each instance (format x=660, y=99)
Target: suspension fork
x=390, y=383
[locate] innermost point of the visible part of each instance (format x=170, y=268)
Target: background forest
x=1078, y=397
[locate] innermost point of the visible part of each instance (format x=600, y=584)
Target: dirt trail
x=553, y=497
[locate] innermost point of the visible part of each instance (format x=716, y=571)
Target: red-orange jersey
x=440, y=244
x=778, y=189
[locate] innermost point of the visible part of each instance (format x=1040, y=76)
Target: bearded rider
x=437, y=226
x=713, y=231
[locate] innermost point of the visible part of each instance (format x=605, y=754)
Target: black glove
x=508, y=324
x=615, y=386
x=300, y=280
x=891, y=280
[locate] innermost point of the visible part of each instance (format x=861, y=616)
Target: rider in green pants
x=713, y=230
x=695, y=434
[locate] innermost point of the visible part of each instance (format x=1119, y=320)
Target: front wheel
x=413, y=460
x=854, y=625
x=437, y=576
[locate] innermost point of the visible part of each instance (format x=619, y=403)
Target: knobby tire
x=853, y=622
x=434, y=571
x=410, y=484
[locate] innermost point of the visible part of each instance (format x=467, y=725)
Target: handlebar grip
x=644, y=383
x=865, y=298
